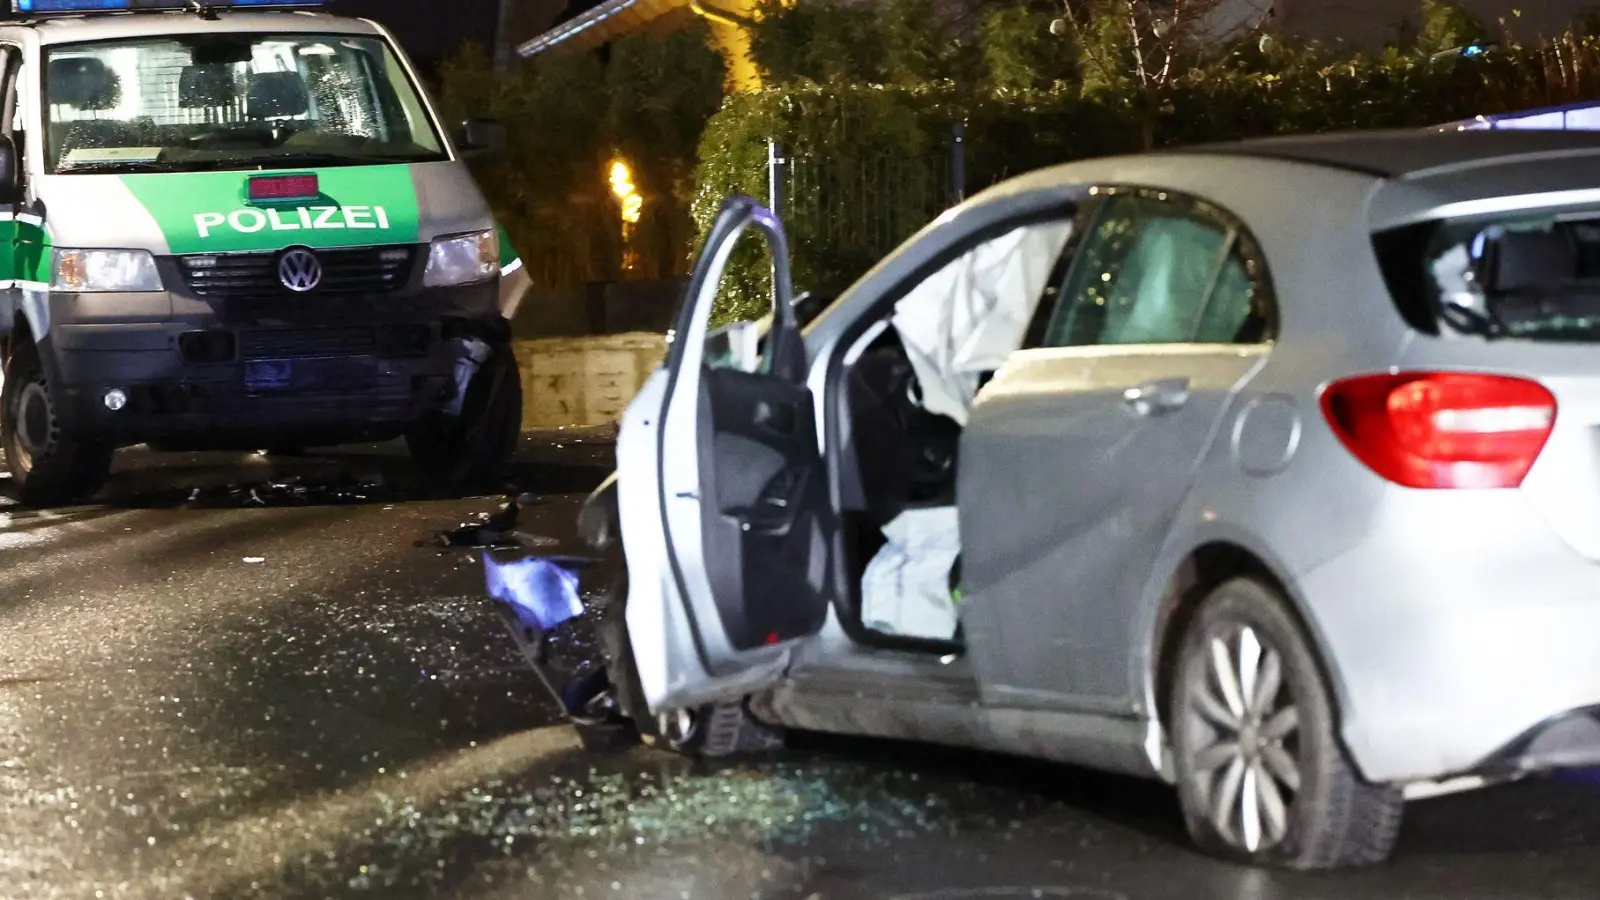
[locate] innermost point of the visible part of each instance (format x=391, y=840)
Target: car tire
x=475, y=448
x=711, y=731
x=47, y=468
x=1263, y=777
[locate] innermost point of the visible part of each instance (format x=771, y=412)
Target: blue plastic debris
x=538, y=588
x=1590, y=776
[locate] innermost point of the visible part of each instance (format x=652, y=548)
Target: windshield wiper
x=109, y=166
x=323, y=158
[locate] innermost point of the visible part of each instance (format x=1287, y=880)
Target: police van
x=233, y=224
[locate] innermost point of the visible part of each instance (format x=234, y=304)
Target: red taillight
x=1443, y=429
x=284, y=187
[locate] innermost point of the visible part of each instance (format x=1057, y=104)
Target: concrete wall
x=584, y=381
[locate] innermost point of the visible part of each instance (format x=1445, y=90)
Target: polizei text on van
x=313, y=218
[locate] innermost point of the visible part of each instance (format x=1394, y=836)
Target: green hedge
x=864, y=98
x=1261, y=88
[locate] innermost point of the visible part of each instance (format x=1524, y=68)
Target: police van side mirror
x=10, y=182
x=481, y=137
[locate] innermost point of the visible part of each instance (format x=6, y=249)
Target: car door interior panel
x=722, y=447
x=767, y=504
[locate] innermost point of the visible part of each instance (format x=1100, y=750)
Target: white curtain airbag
x=970, y=315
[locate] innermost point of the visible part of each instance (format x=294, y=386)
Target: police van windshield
x=231, y=101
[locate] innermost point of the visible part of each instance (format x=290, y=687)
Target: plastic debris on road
x=541, y=588
x=493, y=530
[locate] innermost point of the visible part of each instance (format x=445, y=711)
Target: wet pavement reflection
x=307, y=693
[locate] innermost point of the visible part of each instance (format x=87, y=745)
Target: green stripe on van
x=207, y=212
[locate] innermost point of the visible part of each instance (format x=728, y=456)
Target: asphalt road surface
x=240, y=677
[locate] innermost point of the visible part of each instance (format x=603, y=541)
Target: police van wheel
x=475, y=448
x=47, y=468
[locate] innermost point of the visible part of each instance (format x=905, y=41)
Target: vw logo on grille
x=299, y=270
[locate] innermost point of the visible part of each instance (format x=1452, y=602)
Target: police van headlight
x=468, y=259
x=99, y=271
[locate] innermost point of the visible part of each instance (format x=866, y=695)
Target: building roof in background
x=429, y=36
x=599, y=24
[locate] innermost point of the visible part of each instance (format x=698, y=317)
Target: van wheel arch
x=21, y=330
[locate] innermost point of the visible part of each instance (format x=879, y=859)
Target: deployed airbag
x=968, y=317
x=906, y=590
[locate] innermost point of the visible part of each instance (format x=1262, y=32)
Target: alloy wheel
x=1245, y=756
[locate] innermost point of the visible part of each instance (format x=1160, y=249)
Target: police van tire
x=475, y=448
x=47, y=468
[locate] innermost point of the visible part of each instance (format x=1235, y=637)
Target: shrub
x=1014, y=123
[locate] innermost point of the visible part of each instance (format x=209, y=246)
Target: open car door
x=725, y=512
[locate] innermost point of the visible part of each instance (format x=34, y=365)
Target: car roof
x=119, y=26
x=1399, y=176
x=1408, y=155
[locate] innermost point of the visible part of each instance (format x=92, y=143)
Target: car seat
x=906, y=456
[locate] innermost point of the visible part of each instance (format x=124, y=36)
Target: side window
x=1157, y=269
x=19, y=112
x=1231, y=314
x=14, y=121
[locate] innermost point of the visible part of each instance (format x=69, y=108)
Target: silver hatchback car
x=1271, y=470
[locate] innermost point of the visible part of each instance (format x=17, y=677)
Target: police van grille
x=300, y=343
x=365, y=270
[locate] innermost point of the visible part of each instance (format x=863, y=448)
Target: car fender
x=1193, y=529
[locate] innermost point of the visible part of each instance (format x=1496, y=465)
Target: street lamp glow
x=627, y=194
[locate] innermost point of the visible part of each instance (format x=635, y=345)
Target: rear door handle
x=1159, y=397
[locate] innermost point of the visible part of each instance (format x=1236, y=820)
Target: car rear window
x=1529, y=275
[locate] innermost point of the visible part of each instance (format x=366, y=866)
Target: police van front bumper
x=240, y=373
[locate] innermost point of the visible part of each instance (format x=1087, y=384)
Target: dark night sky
x=430, y=29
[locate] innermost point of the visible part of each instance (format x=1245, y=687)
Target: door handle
x=1154, y=398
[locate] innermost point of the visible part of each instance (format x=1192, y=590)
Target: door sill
x=890, y=676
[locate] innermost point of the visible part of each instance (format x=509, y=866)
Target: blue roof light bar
x=79, y=7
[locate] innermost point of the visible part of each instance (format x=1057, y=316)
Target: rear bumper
x=1464, y=635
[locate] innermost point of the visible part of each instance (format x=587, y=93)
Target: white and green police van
x=228, y=224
